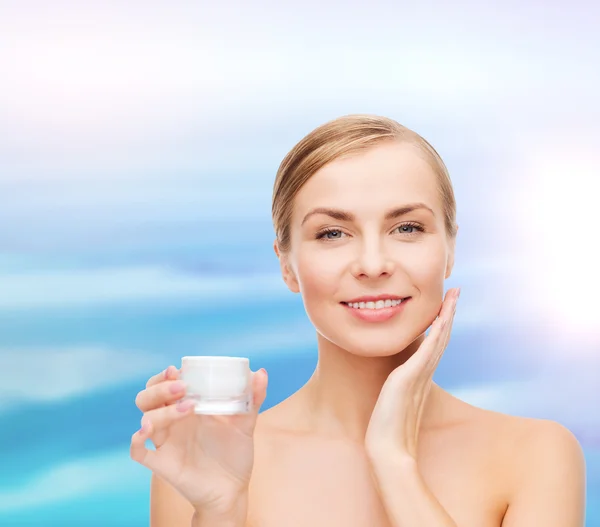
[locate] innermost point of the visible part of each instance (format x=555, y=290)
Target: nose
x=372, y=261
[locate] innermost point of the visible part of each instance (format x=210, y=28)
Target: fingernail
x=177, y=387
x=458, y=293
x=167, y=372
x=144, y=428
x=184, y=405
x=264, y=371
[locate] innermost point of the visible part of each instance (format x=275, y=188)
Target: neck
x=340, y=396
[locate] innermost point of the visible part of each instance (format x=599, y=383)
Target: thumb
x=260, y=380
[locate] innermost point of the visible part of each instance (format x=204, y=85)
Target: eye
x=329, y=234
x=409, y=228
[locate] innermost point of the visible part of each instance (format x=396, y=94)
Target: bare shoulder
x=549, y=484
x=543, y=439
x=543, y=466
x=530, y=443
x=527, y=433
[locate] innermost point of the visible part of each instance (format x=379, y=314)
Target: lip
x=374, y=298
x=377, y=315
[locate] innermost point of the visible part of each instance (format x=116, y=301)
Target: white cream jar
x=218, y=385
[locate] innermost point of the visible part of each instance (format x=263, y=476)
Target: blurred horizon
x=138, y=148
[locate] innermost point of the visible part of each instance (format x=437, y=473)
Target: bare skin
x=312, y=467
x=473, y=460
x=333, y=474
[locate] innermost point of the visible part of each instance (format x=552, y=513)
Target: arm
x=169, y=509
x=405, y=496
x=550, y=489
x=236, y=518
x=393, y=432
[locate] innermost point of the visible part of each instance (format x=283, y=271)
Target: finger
x=171, y=373
x=158, y=395
x=444, y=309
x=247, y=422
x=445, y=329
x=138, y=451
x=448, y=303
x=449, y=311
x=260, y=381
x=438, y=328
x=433, y=346
x=162, y=418
x=449, y=324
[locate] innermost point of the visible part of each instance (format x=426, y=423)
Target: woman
x=365, y=223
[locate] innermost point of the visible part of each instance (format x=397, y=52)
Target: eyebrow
x=342, y=215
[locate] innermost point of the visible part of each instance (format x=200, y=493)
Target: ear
x=450, y=259
x=286, y=271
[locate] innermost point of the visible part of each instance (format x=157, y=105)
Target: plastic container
x=218, y=385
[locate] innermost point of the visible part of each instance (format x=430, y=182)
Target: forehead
x=384, y=176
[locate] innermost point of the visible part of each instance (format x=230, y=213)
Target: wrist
x=392, y=464
x=233, y=515
x=385, y=453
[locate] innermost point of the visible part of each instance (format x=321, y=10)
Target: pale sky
x=126, y=126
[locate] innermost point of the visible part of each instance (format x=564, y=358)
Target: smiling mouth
x=375, y=305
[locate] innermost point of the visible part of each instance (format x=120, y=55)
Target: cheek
x=428, y=279
x=318, y=275
x=425, y=266
x=427, y=276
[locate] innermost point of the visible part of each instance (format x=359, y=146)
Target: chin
x=367, y=346
x=374, y=340
x=378, y=349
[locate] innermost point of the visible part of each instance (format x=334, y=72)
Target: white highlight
x=49, y=374
x=76, y=479
x=122, y=284
x=561, y=212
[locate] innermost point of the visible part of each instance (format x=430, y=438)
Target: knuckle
x=162, y=418
x=175, y=411
x=155, y=379
x=133, y=450
x=135, y=455
x=151, y=398
x=139, y=398
x=165, y=417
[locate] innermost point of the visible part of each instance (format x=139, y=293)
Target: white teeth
x=375, y=305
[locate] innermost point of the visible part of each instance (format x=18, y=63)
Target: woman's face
x=366, y=246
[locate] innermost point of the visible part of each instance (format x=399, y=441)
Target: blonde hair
x=341, y=137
